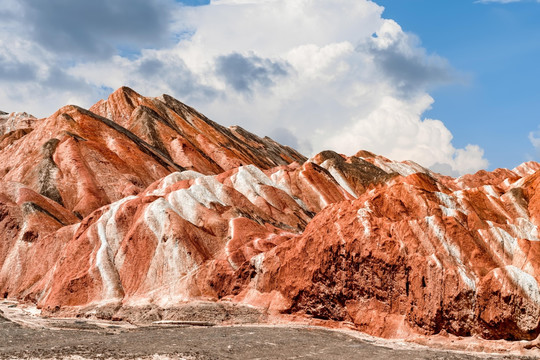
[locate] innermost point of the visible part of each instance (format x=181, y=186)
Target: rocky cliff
x=139, y=205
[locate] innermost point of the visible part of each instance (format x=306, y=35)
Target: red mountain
x=140, y=207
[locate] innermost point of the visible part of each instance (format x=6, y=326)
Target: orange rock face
x=144, y=201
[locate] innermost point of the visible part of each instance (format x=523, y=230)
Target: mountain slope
x=141, y=205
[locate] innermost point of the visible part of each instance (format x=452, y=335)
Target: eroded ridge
x=141, y=205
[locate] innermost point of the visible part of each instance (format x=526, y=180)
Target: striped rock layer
x=143, y=202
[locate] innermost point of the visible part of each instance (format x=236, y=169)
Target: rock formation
x=15, y=121
x=143, y=203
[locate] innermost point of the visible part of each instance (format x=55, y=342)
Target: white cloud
x=534, y=138
x=315, y=73
x=396, y=130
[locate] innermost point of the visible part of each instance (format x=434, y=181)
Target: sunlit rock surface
x=144, y=203
x=15, y=121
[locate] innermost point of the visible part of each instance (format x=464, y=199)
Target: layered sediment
x=144, y=203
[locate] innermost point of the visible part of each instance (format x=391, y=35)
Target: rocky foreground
x=196, y=343
x=139, y=207
x=80, y=339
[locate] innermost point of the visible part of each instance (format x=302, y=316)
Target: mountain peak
x=16, y=121
x=123, y=144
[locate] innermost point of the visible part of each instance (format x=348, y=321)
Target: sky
x=452, y=85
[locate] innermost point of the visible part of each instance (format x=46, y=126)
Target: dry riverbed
x=24, y=335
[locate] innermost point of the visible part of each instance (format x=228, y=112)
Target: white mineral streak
x=363, y=217
x=527, y=168
x=173, y=179
x=155, y=216
x=322, y=199
x=109, y=238
x=170, y=262
x=505, y=248
x=496, y=204
x=16, y=120
x=460, y=183
x=419, y=234
x=338, y=176
x=511, y=199
x=231, y=236
x=525, y=281
x=342, y=239
x=518, y=183
x=215, y=187
x=468, y=279
x=460, y=197
x=526, y=229
x=488, y=189
x=281, y=181
x=417, y=168
x=12, y=263
x=249, y=180
x=400, y=168
x=436, y=260
x=186, y=202
x=257, y=261
x=449, y=206
x=451, y=250
x=448, y=212
x=447, y=200
x=508, y=243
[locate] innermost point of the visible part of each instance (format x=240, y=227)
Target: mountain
x=143, y=209
x=15, y=121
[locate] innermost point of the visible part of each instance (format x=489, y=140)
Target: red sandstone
x=144, y=201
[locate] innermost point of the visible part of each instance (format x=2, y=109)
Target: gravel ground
x=82, y=340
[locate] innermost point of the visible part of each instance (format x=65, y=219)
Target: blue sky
x=496, y=48
x=451, y=85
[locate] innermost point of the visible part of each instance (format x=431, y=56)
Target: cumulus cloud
x=243, y=73
x=399, y=56
x=285, y=136
x=396, y=130
x=312, y=74
x=33, y=80
x=14, y=70
x=534, y=138
x=95, y=29
x=170, y=71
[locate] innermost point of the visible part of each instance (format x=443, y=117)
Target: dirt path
x=85, y=340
